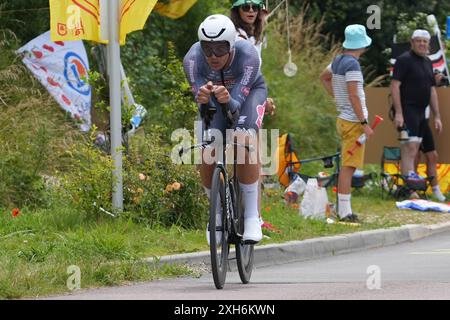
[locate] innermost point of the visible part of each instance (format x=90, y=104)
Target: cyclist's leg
x=248, y=169
x=209, y=155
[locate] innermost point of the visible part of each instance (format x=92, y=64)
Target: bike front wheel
x=218, y=231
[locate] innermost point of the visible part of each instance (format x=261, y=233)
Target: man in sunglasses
x=225, y=74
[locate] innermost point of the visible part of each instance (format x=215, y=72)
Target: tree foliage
x=338, y=14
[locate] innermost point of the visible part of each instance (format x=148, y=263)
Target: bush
x=87, y=179
x=158, y=191
x=304, y=108
x=407, y=24
x=33, y=131
x=162, y=88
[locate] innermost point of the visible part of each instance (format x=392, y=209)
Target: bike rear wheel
x=244, y=252
x=219, y=246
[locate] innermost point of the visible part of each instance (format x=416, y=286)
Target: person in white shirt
x=249, y=17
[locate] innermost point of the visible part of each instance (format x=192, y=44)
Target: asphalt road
x=413, y=270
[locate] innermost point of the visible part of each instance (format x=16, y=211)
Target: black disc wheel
x=218, y=231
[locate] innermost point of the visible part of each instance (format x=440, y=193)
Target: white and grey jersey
x=346, y=68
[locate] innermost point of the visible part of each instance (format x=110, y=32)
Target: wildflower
x=142, y=176
x=270, y=228
x=169, y=188
x=176, y=186
x=136, y=200
x=15, y=212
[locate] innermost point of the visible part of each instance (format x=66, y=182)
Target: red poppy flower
x=15, y=212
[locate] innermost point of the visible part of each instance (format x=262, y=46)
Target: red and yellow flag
x=175, y=8
x=75, y=20
x=80, y=19
x=133, y=15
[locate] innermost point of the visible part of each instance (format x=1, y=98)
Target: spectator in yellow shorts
x=344, y=81
x=349, y=133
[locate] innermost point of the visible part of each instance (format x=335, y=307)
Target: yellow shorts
x=349, y=133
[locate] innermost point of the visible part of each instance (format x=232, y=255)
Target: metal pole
x=115, y=102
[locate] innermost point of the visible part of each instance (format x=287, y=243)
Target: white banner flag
x=62, y=68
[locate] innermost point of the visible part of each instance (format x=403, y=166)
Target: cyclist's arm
x=192, y=70
x=249, y=63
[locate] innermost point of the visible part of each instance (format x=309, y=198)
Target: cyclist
x=225, y=73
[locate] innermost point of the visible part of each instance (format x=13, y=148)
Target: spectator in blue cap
x=344, y=81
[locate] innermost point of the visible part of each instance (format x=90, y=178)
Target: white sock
x=250, y=196
x=437, y=192
x=344, y=205
x=207, y=191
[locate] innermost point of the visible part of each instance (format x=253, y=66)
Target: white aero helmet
x=217, y=28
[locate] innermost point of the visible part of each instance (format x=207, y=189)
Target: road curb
x=295, y=251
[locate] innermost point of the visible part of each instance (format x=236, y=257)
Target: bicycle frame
x=232, y=213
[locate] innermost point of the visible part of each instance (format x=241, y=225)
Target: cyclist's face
x=420, y=46
x=216, y=53
x=218, y=63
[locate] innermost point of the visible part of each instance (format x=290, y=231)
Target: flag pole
x=115, y=103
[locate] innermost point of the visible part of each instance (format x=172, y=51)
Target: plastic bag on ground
x=315, y=201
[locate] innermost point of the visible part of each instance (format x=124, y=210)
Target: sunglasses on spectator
x=248, y=6
x=218, y=48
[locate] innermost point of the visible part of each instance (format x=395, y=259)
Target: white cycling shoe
x=252, y=230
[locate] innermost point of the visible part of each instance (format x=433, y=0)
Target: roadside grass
x=37, y=246
x=374, y=213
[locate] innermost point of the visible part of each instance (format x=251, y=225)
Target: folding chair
x=393, y=182
x=289, y=164
x=360, y=181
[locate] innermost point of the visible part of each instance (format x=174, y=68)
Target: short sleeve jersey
x=416, y=76
x=346, y=68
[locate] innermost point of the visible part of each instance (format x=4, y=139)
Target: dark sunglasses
x=248, y=6
x=219, y=48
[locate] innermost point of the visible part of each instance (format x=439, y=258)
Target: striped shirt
x=346, y=68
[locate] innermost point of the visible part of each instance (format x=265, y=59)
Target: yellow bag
x=288, y=162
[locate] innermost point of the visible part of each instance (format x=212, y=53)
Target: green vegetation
x=338, y=14
x=37, y=246
x=304, y=108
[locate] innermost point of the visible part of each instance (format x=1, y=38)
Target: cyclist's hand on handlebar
x=204, y=93
x=222, y=94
